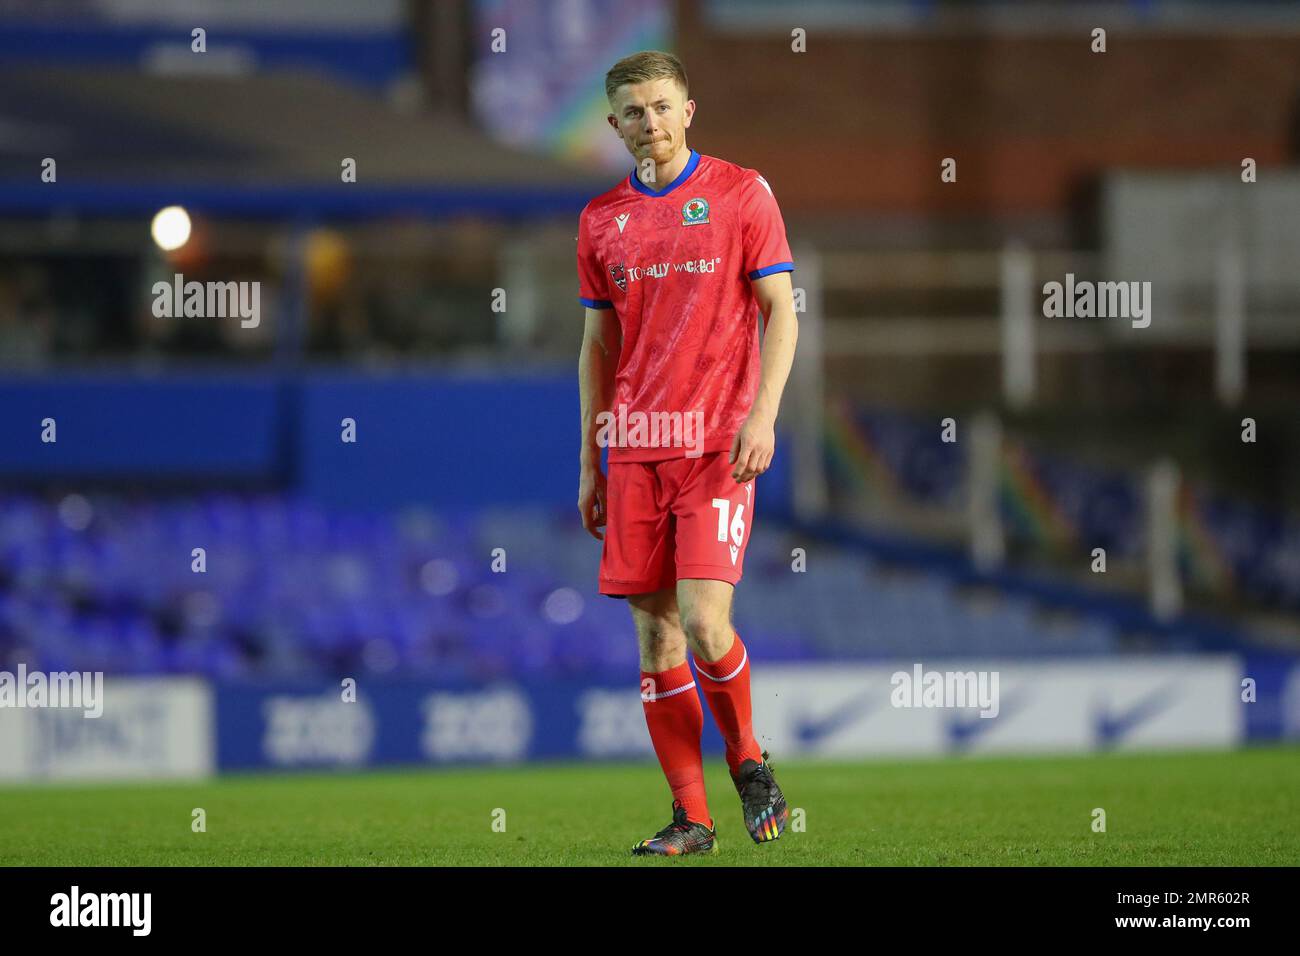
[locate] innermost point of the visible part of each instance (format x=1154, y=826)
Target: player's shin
x=675, y=720
x=725, y=683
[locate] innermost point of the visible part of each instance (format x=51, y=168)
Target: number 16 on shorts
x=731, y=522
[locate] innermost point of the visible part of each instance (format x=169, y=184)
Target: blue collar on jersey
x=684, y=175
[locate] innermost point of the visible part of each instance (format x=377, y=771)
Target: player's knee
x=708, y=634
x=661, y=638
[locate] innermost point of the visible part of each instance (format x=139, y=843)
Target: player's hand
x=591, y=500
x=753, y=447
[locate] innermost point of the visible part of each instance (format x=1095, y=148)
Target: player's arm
x=602, y=341
x=755, y=443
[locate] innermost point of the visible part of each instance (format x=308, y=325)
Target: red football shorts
x=671, y=519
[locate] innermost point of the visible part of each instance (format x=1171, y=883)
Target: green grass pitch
x=1230, y=809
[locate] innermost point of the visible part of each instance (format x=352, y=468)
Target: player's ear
x=688, y=111
x=612, y=120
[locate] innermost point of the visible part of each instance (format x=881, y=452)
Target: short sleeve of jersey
x=762, y=229
x=593, y=291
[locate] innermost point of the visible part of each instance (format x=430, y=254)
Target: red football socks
x=676, y=720
x=725, y=683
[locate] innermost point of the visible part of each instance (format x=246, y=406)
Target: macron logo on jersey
x=622, y=221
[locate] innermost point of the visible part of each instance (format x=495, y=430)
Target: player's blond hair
x=644, y=66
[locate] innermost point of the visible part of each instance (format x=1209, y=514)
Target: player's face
x=652, y=118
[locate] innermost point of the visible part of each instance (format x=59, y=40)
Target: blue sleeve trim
x=596, y=303
x=769, y=270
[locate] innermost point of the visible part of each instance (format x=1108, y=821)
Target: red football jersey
x=676, y=264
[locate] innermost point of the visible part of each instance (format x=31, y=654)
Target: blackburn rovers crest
x=695, y=212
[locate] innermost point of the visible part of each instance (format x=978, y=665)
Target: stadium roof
x=270, y=143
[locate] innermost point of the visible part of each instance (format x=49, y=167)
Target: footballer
x=675, y=264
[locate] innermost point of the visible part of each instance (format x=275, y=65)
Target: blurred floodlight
x=75, y=512
x=562, y=606
x=171, y=228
